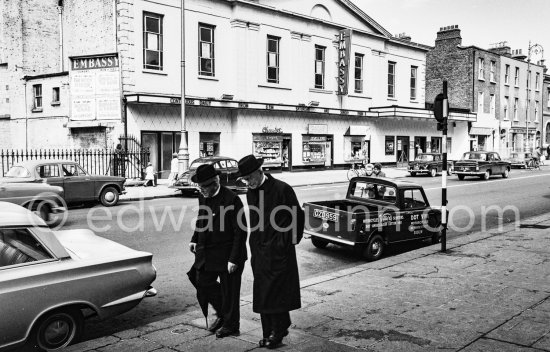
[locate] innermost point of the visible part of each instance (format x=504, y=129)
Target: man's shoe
x=275, y=340
x=216, y=325
x=224, y=332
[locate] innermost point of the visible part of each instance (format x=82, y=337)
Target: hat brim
x=194, y=177
x=260, y=163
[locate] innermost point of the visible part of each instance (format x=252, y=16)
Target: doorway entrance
x=402, y=151
x=161, y=147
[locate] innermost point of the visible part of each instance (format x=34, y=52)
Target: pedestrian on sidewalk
x=219, y=244
x=149, y=175
x=276, y=226
x=377, y=171
x=174, y=169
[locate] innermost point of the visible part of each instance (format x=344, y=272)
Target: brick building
x=546, y=109
x=492, y=83
x=302, y=84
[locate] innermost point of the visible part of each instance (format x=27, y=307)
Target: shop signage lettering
x=301, y=108
x=267, y=138
x=243, y=105
x=360, y=113
x=315, y=138
x=344, y=43
x=317, y=129
x=205, y=102
x=272, y=130
x=344, y=112
x=97, y=62
x=175, y=101
x=327, y=111
x=189, y=102
x=269, y=107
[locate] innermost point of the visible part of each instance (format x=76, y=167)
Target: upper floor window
x=481, y=70
x=516, y=77
x=506, y=102
x=492, y=104
x=516, y=102
x=273, y=59
x=152, y=41
x=37, y=95
x=391, y=79
x=55, y=95
x=529, y=79
x=359, y=73
x=481, y=96
x=320, y=66
x=537, y=81
x=507, y=74
x=548, y=99
x=414, y=73
x=206, y=50
x=492, y=71
x=536, y=111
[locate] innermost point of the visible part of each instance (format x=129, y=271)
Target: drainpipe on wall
x=60, y=12
x=26, y=117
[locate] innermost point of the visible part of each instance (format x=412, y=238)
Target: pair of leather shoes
x=275, y=339
x=224, y=332
x=216, y=325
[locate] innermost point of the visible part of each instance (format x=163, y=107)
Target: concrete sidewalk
x=489, y=292
x=295, y=179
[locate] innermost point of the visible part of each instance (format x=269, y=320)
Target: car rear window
x=19, y=246
x=196, y=164
x=18, y=171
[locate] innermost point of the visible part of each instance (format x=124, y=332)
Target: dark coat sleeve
x=198, y=222
x=239, y=228
x=292, y=218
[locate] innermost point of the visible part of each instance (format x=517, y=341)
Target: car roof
x=387, y=181
x=213, y=159
x=17, y=216
x=33, y=163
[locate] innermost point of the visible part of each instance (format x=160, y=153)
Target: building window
x=537, y=81
x=492, y=71
x=516, y=77
x=506, y=102
x=536, y=111
x=206, y=50
x=507, y=75
x=414, y=72
x=480, y=98
x=55, y=95
x=529, y=79
x=492, y=104
x=548, y=99
x=449, y=145
x=516, y=102
x=359, y=73
x=391, y=79
x=481, y=71
x=390, y=145
x=152, y=41
x=319, y=67
x=37, y=95
x=273, y=59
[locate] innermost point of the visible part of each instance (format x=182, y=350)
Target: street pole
x=183, y=153
x=444, y=170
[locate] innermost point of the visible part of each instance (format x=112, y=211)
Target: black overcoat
x=273, y=256
x=221, y=235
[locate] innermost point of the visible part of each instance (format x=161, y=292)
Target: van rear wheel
x=374, y=249
x=319, y=243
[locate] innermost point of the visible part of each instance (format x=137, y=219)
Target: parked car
x=375, y=213
x=481, y=164
x=520, y=160
x=41, y=198
x=428, y=164
x=229, y=174
x=78, y=186
x=52, y=280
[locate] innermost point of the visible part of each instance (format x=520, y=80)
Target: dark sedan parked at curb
x=428, y=164
x=41, y=198
x=481, y=164
x=229, y=174
x=78, y=185
x=50, y=281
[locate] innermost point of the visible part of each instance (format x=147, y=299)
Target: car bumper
x=470, y=173
x=419, y=171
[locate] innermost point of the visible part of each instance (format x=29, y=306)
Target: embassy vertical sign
x=95, y=87
x=344, y=46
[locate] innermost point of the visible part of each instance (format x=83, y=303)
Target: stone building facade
x=262, y=77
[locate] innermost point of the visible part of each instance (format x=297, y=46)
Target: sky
x=482, y=22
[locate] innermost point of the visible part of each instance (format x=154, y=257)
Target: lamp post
x=183, y=152
x=536, y=49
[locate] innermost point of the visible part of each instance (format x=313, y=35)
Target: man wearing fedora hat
x=219, y=244
x=276, y=225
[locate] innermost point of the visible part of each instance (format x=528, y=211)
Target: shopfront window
x=390, y=145
x=269, y=147
x=313, y=149
x=355, y=148
x=436, y=145
x=209, y=144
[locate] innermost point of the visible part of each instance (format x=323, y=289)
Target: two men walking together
x=276, y=223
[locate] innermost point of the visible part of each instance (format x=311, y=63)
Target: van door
x=414, y=221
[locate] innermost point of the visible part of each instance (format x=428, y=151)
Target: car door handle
x=66, y=178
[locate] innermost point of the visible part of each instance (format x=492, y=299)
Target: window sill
x=481, y=79
x=56, y=103
x=414, y=101
x=36, y=110
x=322, y=91
x=493, y=82
x=208, y=78
x=5, y=117
x=392, y=99
x=273, y=85
x=155, y=72
x=359, y=95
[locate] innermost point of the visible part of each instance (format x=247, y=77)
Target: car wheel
x=486, y=175
x=449, y=172
x=506, y=173
x=374, y=249
x=57, y=329
x=43, y=210
x=461, y=177
x=319, y=243
x=433, y=172
x=109, y=196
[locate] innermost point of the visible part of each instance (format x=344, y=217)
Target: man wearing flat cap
x=219, y=244
x=276, y=226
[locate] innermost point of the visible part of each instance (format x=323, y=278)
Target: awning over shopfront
x=481, y=131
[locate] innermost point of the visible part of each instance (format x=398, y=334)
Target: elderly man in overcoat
x=219, y=244
x=276, y=226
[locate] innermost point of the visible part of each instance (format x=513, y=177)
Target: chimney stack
x=517, y=54
x=501, y=48
x=449, y=35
